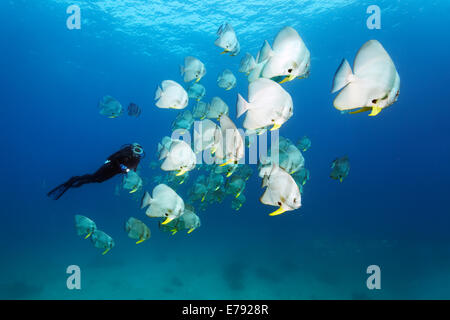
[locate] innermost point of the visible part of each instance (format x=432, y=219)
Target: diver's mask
x=138, y=151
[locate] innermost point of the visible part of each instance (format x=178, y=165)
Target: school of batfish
x=372, y=85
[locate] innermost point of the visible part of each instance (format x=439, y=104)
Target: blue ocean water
x=391, y=211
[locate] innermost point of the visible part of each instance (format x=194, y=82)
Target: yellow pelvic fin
x=361, y=110
x=106, y=251
x=190, y=230
x=198, y=79
x=174, y=231
x=287, y=78
x=224, y=51
x=213, y=150
x=88, y=235
x=277, y=212
x=203, y=198
x=275, y=127
x=238, y=194
x=224, y=164
x=340, y=180
x=375, y=111
x=181, y=172
x=168, y=219
x=134, y=190
x=229, y=174
x=140, y=241
x=284, y=80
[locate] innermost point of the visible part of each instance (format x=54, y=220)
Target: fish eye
x=374, y=101
x=290, y=70
x=295, y=200
x=273, y=120
x=166, y=214
x=279, y=203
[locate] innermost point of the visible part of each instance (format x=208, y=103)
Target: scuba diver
x=124, y=160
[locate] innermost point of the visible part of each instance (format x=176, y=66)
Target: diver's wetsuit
x=124, y=157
